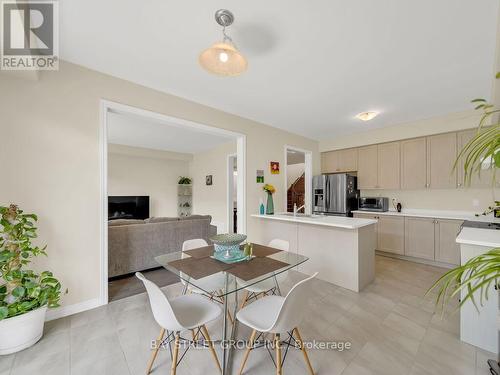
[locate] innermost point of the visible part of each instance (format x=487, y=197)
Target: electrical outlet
x=475, y=203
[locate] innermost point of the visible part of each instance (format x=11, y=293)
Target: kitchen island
x=341, y=249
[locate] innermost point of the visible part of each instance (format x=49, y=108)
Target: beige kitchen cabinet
x=329, y=161
x=389, y=165
x=441, y=156
x=339, y=161
x=446, y=248
x=486, y=175
x=414, y=164
x=368, y=167
x=419, y=237
x=348, y=160
x=391, y=234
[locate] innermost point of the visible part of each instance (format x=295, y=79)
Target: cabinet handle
x=426, y=185
x=459, y=184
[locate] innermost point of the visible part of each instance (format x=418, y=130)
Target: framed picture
x=275, y=167
x=260, y=176
x=208, y=180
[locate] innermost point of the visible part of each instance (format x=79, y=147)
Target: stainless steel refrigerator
x=335, y=194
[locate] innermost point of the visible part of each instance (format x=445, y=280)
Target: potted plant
x=270, y=190
x=184, y=180
x=24, y=294
x=477, y=276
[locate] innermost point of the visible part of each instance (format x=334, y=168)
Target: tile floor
x=393, y=330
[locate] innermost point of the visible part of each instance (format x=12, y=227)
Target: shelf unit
x=184, y=199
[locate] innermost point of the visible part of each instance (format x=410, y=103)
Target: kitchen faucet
x=296, y=210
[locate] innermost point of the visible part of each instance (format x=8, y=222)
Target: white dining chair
x=267, y=286
x=186, y=312
x=210, y=286
x=276, y=315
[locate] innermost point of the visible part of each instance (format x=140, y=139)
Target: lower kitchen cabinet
x=419, y=237
x=391, y=234
x=446, y=248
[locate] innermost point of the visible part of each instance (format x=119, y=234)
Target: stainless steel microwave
x=379, y=204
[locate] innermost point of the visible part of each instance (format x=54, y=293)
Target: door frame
x=230, y=196
x=107, y=106
x=308, y=167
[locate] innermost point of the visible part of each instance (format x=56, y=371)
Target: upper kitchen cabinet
x=329, y=161
x=378, y=166
x=348, y=160
x=441, y=156
x=389, y=165
x=414, y=164
x=486, y=175
x=368, y=167
x=339, y=161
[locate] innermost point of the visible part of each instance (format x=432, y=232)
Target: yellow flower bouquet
x=268, y=188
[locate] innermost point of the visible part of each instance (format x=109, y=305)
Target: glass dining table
x=197, y=269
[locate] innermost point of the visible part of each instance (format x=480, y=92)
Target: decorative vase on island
x=270, y=204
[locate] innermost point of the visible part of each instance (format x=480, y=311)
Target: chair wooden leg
x=175, y=355
x=247, y=352
x=306, y=357
x=155, y=351
x=277, y=345
x=211, y=346
x=245, y=299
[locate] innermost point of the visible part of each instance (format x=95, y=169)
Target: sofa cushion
x=161, y=219
x=117, y=222
x=197, y=217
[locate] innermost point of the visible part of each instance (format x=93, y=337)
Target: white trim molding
x=61, y=312
x=308, y=161
x=107, y=106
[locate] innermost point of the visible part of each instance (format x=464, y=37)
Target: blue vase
x=270, y=204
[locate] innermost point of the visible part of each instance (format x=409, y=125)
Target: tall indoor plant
x=479, y=274
x=24, y=294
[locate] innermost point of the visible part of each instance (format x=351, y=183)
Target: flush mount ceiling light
x=223, y=58
x=366, y=116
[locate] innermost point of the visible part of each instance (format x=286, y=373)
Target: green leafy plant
x=22, y=290
x=475, y=277
x=480, y=273
x=184, y=180
x=484, y=148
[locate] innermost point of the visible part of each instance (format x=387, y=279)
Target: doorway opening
x=158, y=170
x=298, y=178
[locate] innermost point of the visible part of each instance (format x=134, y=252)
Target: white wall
x=293, y=172
x=138, y=171
x=212, y=199
x=54, y=139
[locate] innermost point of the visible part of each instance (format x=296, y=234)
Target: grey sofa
x=133, y=244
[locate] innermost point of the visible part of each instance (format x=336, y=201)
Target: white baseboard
x=416, y=260
x=60, y=312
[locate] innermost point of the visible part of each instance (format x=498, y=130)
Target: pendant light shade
x=223, y=58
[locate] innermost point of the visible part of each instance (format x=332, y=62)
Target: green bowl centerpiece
x=227, y=246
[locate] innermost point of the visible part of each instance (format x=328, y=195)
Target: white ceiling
x=313, y=65
x=137, y=131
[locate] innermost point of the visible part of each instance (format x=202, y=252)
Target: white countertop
x=329, y=221
x=479, y=237
x=437, y=214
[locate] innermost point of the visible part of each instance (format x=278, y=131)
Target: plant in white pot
x=24, y=294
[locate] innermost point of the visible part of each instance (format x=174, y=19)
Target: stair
x=296, y=193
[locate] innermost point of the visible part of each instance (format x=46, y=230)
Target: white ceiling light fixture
x=223, y=58
x=367, y=116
